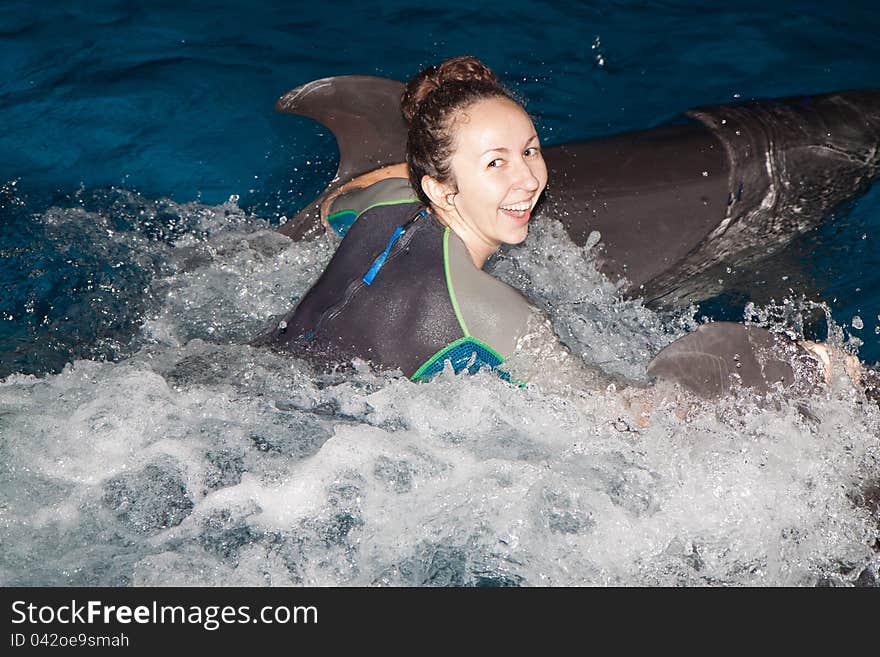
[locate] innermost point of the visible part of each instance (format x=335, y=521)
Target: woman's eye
x=534, y=150
x=496, y=163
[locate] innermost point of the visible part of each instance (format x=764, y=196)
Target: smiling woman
x=490, y=201
x=473, y=155
x=406, y=290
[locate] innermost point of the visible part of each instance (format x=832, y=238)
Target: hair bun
x=458, y=69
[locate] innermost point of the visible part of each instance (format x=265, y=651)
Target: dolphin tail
x=363, y=113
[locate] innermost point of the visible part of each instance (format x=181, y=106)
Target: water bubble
x=857, y=323
x=599, y=56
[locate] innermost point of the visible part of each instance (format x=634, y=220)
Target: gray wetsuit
x=402, y=292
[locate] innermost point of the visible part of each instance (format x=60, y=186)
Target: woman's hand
x=827, y=355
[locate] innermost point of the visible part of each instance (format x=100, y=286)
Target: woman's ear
x=439, y=193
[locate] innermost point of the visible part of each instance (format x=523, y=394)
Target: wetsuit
x=402, y=292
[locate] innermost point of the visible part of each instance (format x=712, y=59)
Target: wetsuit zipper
x=353, y=287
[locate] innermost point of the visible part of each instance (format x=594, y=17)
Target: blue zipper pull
x=378, y=262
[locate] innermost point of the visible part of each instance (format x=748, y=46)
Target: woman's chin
x=518, y=236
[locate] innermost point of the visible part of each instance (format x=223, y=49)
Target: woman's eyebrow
x=502, y=149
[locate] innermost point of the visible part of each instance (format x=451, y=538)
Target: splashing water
x=187, y=457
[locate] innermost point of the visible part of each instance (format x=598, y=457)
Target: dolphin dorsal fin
x=362, y=111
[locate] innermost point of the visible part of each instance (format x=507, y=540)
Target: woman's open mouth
x=518, y=210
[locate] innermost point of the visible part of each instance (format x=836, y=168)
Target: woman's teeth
x=517, y=209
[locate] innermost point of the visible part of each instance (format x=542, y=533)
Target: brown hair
x=431, y=102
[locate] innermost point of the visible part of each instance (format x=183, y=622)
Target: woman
x=406, y=290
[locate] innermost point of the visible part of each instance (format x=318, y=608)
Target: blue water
x=142, y=168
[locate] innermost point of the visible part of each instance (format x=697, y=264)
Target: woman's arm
x=541, y=359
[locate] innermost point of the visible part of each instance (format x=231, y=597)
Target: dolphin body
x=728, y=185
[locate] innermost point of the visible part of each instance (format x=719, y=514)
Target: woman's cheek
x=500, y=186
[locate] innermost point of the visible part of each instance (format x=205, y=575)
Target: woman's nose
x=527, y=177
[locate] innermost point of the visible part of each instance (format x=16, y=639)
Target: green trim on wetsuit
x=449, y=287
x=459, y=354
x=341, y=221
x=349, y=206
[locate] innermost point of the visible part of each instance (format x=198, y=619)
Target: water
x=143, y=442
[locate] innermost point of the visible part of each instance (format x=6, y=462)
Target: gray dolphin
x=728, y=185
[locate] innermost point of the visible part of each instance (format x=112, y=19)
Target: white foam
x=200, y=460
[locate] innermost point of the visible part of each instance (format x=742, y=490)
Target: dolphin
x=724, y=185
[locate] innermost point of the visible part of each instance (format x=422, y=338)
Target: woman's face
x=499, y=171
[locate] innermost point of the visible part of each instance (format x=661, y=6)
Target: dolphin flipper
x=363, y=112
x=719, y=355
